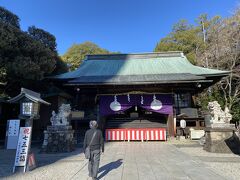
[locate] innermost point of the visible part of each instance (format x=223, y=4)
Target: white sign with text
x=23, y=146
x=12, y=133
x=13, y=127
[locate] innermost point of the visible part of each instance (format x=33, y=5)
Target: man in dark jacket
x=95, y=148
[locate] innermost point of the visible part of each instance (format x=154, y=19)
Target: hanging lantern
x=156, y=104
x=115, y=105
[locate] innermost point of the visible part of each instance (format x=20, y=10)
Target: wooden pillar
x=98, y=113
x=198, y=124
x=170, y=125
x=99, y=117
x=29, y=122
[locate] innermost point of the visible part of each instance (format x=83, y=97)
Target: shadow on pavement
x=104, y=170
x=42, y=159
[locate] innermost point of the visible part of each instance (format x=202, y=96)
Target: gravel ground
x=226, y=165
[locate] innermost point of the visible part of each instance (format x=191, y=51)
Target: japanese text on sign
x=13, y=128
x=22, y=147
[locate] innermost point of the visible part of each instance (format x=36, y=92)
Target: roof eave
x=17, y=98
x=33, y=96
x=136, y=83
x=217, y=74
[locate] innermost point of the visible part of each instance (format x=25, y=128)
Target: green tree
x=184, y=37
x=61, y=66
x=77, y=52
x=23, y=57
x=26, y=57
x=222, y=52
x=47, y=39
x=219, y=49
x=8, y=17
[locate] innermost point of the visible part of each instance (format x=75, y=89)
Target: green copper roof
x=135, y=64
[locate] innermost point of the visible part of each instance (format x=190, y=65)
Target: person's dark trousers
x=93, y=164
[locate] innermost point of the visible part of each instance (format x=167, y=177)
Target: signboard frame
x=12, y=132
x=23, y=147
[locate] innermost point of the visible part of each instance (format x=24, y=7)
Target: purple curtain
x=160, y=103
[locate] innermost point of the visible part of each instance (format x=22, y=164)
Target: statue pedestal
x=221, y=140
x=58, y=139
x=222, y=126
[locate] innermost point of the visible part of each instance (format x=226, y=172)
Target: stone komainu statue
x=217, y=114
x=61, y=118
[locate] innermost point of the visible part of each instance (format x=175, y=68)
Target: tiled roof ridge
x=147, y=55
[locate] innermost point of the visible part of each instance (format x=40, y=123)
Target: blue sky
x=127, y=26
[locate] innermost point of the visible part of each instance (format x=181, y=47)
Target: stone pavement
x=121, y=161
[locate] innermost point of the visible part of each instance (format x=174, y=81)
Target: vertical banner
x=12, y=133
x=23, y=148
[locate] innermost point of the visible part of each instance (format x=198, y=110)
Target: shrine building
x=143, y=91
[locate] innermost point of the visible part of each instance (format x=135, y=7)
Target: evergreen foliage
x=77, y=52
x=25, y=57
x=8, y=17
x=47, y=39
x=182, y=38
